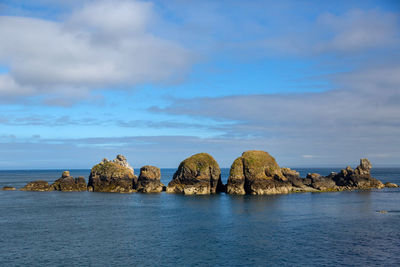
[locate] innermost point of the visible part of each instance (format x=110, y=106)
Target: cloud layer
x=358, y=119
x=103, y=44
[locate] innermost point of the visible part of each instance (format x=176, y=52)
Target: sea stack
x=112, y=176
x=68, y=183
x=197, y=175
x=257, y=173
x=149, y=180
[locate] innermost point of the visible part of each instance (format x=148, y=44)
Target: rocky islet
x=149, y=180
x=197, y=175
x=253, y=173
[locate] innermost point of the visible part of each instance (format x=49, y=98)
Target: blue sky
x=315, y=83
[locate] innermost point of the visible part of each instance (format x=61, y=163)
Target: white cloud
x=103, y=44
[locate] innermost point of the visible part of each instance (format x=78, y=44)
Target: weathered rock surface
x=112, y=176
x=38, y=185
x=69, y=183
x=257, y=173
x=391, y=185
x=199, y=174
x=8, y=188
x=360, y=178
x=149, y=180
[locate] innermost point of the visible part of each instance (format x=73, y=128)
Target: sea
x=352, y=228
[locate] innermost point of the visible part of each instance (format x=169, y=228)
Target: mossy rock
x=109, y=176
x=149, y=180
x=38, y=185
x=69, y=183
x=260, y=165
x=253, y=170
x=111, y=170
x=198, y=174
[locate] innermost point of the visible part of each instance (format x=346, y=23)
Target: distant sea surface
x=106, y=229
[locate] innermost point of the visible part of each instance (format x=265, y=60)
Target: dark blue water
x=105, y=229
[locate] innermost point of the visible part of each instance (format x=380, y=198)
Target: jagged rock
x=8, y=188
x=257, y=173
x=313, y=175
x=199, y=174
x=112, y=176
x=360, y=178
x=38, y=185
x=288, y=173
x=121, y=160
x=319, y=182
x=69, y=183
x=391, y=185
x=364, y=169
x=149, y=180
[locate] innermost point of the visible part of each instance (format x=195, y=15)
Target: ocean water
x=106, y=229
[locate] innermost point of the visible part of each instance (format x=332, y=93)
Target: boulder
x=112, y=176
x=69, y=183
x=320, y=183
x=38, y=185
x=257, y=173
x=289, y=173
x=149, y=180
x=391, y=185
x=199, y=174
x=8, y=188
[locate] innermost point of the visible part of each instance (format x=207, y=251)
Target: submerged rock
x=199, y=174
x=149, y=180
x=8, y=188
x=69, y=183
x=112, y=176
x=38, y=185
x=256, y=172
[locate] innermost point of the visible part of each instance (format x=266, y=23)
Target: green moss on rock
x=255, y=172
x=260, y=165
x=112, y=170
x=198, y=174
x=112, y=176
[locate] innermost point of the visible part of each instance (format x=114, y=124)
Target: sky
x=314, y=83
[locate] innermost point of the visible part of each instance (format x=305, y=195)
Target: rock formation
x=257, y=173
x=69, y=183
x=149, y=180
x=8, y=188
x=360, y=178
x=391, y=185
x=38, y=185
x=112, y=176
x=199, y=174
